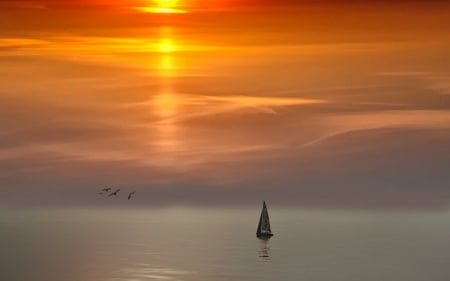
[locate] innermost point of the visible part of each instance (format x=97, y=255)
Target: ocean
x=218, y=244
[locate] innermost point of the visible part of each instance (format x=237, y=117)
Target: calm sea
x=220, y=244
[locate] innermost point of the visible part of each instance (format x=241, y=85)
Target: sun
x=162, y=7
x=166, y=45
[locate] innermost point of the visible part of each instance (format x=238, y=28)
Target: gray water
x=220, y=244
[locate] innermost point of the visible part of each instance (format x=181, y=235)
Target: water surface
x=212, y=244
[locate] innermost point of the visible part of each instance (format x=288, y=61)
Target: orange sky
x=314, y=97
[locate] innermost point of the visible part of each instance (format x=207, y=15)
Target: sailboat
x=264, y=231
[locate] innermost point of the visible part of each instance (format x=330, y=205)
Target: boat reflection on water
x=264, y=251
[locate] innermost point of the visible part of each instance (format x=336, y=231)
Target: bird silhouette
x=131, y=194
x=106, y=189
x=114, y=193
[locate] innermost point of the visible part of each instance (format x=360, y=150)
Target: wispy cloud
x=22, y=43
x=23, y=4
x=340, y=124
x=439, y=82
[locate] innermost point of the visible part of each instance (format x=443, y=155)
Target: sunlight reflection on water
x=149, y=272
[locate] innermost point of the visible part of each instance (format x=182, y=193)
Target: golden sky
x=237, y=97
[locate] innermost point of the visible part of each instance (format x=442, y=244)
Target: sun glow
x=162, y=7
x=166, y=45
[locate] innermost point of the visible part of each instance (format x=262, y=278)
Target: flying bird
x=115, y=192
x=131, y=194
x=106, y=189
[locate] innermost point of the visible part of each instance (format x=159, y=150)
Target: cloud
x=306, y=120
x=438, y=82
x=359, y=169
x=345, y=123
x=39, y=4
x=23, y=4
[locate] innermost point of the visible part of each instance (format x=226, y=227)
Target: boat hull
x=264, y=235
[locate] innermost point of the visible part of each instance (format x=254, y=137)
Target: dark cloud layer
x=392, y=169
